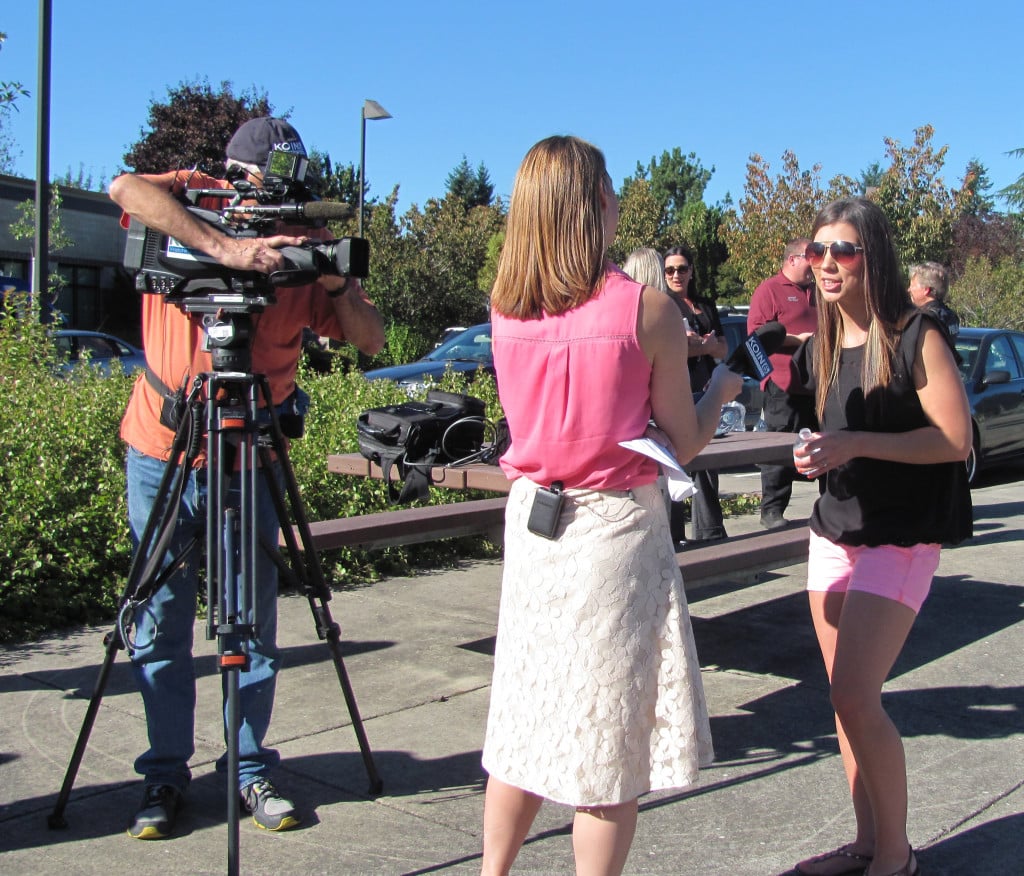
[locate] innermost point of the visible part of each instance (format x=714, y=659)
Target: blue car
x=992, y=368
x=76, y=346
x=467, y=351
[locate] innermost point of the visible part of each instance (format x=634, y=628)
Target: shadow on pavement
x=100, y=810
x=79, y=681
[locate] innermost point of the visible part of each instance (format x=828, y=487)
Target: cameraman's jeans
x=163, y=662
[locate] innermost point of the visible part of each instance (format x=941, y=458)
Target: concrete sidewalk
x=419, y=655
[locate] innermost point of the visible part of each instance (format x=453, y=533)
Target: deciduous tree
x=914, y=196
x=425, y=267
x=773, y=211
x=641, y=220
x=990, y=293
x=193, y=126
x=993, y=235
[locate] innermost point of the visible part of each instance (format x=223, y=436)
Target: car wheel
x=972, y=460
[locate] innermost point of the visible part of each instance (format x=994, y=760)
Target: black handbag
x=414, y=436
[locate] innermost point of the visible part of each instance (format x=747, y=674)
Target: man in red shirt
x=787, y=298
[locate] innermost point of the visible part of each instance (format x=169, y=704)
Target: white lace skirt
x=597, y=695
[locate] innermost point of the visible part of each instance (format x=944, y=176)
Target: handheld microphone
x=751, y=357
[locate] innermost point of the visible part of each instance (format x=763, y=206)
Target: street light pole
x=371, y=110
x=40, y=260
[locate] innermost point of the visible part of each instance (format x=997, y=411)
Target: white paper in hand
x=679, y=484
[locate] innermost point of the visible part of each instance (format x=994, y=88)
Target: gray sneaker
x=155, y=818
x=270, y=811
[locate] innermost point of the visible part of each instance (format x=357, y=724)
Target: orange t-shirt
x=173, y=341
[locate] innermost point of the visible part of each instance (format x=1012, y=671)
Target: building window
x=16, y=268
x=80, y=299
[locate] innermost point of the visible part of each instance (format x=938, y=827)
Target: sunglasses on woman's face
x=673, y=269
x=843, y=252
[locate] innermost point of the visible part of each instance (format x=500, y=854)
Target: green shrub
x=64, y=543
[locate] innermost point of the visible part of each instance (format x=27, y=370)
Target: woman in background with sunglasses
x=705, y=342
x=896, y=430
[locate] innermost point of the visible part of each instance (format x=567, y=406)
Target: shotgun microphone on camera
x=304, y=211
x=751, y=357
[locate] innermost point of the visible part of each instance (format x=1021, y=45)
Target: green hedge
x=64, y=543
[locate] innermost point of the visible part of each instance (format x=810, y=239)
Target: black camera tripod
x=226, y=405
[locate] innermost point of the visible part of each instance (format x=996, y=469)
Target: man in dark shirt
x=787, y=298
x=928, y=286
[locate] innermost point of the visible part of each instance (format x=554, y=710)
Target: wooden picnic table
x=733, y=450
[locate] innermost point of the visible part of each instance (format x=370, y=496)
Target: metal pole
x=376, y=111
x=362, y=163
x=42, y=237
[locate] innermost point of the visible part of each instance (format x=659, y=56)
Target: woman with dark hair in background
x=705, y=342
x=597, y=696
x=896, y=429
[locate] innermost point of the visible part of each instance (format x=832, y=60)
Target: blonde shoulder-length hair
x=646, y=266
x=553, y=256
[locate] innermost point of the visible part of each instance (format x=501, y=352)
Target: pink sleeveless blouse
x=573, y=386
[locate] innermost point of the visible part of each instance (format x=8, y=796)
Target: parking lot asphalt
x=418, y=652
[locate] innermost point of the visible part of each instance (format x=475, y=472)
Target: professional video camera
x=197, y=282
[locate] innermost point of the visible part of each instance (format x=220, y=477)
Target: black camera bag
x=414, y=436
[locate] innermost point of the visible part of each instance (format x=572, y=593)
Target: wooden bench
x=412, y=525
x=744, y=557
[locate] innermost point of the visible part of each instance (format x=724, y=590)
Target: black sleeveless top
x=704, y=320
x=877, y=502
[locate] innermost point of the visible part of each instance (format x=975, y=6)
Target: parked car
x=102, y=351
x=993, y=372
x=751, y=396
x=468, y=351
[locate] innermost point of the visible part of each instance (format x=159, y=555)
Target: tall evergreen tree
x=474, y=189
x=977, y=185
x=1013, y=194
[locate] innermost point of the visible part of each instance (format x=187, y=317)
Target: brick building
x=97, y=291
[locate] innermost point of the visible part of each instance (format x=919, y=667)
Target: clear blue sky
x=722, y=79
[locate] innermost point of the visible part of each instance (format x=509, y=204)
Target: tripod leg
x=143, y=579
x=307, y=571
x=230, y=578
x=329, y=630
x=113, y=645
x=234, y=813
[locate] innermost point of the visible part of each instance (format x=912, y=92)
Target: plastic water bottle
x=802, y=438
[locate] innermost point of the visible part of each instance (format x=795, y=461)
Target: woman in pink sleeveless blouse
x=597, y=696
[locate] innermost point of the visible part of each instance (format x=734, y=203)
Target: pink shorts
x=903, y=574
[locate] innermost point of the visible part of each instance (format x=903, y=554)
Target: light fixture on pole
x=371, y=110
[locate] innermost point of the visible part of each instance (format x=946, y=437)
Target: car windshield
x=472, y=345
x=968, y=350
